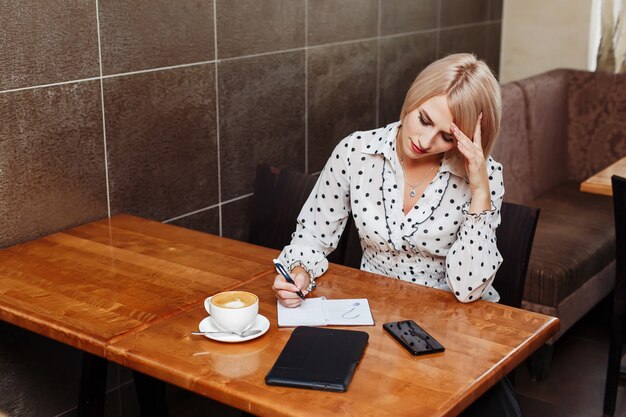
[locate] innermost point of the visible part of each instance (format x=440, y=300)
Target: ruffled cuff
x=308, y=270
x=315, y=264
x=486, y=217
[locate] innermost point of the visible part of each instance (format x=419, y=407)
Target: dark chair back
x=353, y=251
x=618, y=312
x=515, y=239
x=279, y=195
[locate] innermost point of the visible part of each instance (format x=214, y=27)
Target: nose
x=426, y=140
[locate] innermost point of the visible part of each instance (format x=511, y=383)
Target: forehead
x=438, y=109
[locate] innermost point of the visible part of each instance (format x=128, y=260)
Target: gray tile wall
x=162, y=109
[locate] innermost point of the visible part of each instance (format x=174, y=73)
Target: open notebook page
x=322, y=312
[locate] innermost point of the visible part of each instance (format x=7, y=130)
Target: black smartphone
x=414, y=339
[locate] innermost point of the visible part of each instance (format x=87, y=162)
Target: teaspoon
x=245, y=333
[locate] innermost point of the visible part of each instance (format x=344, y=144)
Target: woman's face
x=426, y=130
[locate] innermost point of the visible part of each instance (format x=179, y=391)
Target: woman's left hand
x=475, y=167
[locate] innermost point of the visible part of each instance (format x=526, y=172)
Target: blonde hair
x=471, y=89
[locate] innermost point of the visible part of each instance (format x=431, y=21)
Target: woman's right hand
x=286, y=292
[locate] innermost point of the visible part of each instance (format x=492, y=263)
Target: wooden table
x=484, y=341
x=88, y=286
x=131, y=290
x=600, y=183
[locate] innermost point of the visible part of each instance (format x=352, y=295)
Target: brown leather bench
x=559, y=128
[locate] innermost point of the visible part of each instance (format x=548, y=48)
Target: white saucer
x=207, y=325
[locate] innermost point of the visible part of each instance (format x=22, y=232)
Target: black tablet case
x=318, y=358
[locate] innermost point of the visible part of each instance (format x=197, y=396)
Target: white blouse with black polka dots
x=437, y=243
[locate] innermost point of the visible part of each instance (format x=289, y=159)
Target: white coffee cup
x=233, y=311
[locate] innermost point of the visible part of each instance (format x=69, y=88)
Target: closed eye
x=448, y=139
x=425, y=121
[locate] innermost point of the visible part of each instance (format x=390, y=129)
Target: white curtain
x=612, y=48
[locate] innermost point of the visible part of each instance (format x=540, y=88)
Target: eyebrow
x=426, y=116
x=429, y=120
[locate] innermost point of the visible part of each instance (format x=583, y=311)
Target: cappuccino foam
x=236, y=303
x=234, y=299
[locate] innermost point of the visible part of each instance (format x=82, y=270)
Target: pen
x=281, y=270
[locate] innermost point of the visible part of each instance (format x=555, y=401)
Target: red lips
x=416, y=148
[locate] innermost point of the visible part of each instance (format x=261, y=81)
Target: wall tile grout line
x=306, y=87
x=144, y=71
x=378, y=63
x=438, y=34
x=467, y=25
x=217, y=119
x=218, y=206
x=104, y=125
x=217, y=61
x=241, y=197
x=14, y=90
x=260, y=54
x=191, y=213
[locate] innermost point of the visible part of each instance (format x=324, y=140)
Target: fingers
x=464, y=144
x=286, y=292
x=301, y=282
x=474, y=157
x=290, y=303
x=462, y=138
x=473, y=154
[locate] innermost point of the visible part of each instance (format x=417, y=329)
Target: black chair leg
x=150, y=395
x=539, y=363
x=613, y=368
x=93, y=380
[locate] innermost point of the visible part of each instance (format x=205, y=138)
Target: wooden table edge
x=68, y=335
x=595, y=188
x=233, y=399
x=596, y=183
x=499, y=370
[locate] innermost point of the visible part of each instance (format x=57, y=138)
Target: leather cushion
x=575, y=239
x=512, y=148
x=546, y=113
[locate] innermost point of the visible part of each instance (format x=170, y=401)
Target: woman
x=425, y=196
x=423, y=192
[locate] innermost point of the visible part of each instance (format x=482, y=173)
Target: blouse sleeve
x=474, y=259
x=323, y=217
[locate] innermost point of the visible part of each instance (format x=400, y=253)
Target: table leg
x=93, y=381
x=151, y=395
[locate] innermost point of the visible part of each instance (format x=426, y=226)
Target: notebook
x=319, y=359
x=322, y=312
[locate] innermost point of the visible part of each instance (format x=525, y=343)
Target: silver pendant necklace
x=413, y=187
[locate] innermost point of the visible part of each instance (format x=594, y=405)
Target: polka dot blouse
x=437, y=243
